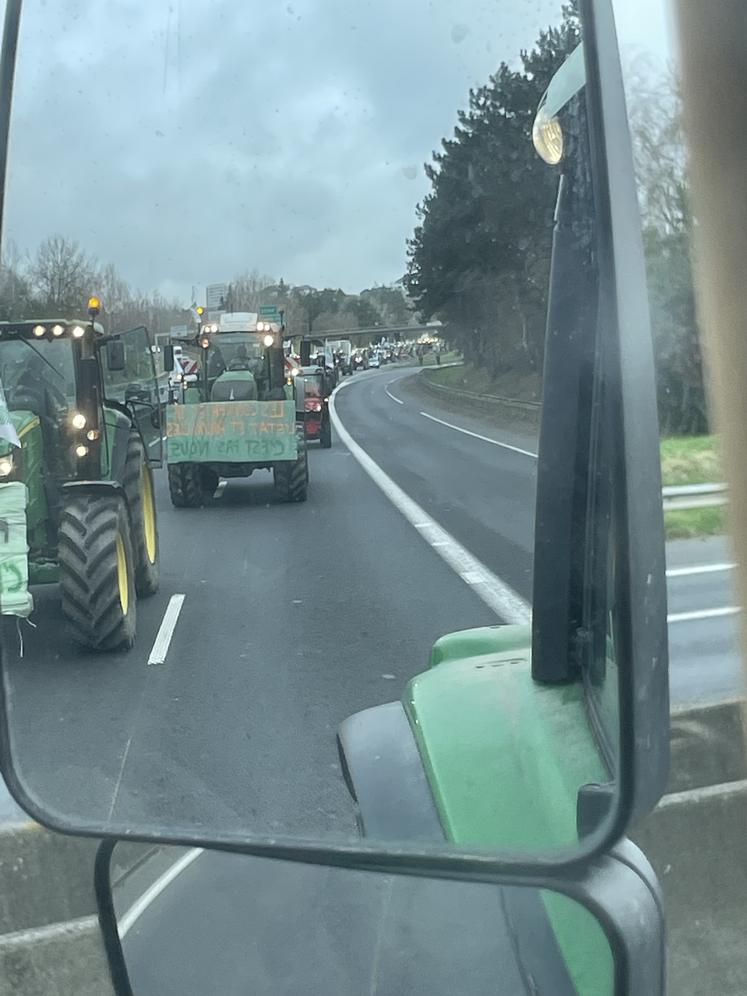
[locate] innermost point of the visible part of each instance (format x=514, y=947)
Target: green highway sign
x=269, y=311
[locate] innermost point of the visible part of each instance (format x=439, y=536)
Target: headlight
x=547, y=136
x=78, y=332
x=58, y=330
x=81, y=450
x=39, y=331
x=6, y=466
x=78, y=420
x=268, y=340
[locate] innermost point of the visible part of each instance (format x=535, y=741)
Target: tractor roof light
x=547, y=135
x=78, y=420
x=547, y=132
x=200, y=310
x=39, y=331
x=93, y=435
x=94, y=306
x=6, y=465
x=58, y=330
x=78, y=332
x=81, y=450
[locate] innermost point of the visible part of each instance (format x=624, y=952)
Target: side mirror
x=115, y=356
x=168, y=358
x=578, y=936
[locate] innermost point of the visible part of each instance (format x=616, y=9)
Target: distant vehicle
x=338, y=353
x=313, y=388
x=359, y=361
x=375, y=361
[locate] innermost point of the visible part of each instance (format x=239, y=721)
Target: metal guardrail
x=683, y=496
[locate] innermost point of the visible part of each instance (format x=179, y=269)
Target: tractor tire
x=185, y=485
x=325, y=436
x=97, y=572
x=292, y=479
x=209, y=481
x=141, y=499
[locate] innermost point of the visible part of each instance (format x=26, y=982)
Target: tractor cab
x=239, y=358
x=80, y=429
x=239, y=416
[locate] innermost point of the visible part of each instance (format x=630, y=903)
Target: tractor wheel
x=138, y=486
x=209, y=481
x=325, y=436
x=185, y=485
x=97, y=572
x=292, y=479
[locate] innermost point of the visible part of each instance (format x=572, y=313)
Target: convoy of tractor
x=83, y=422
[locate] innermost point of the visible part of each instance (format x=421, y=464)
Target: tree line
x=479, y=257
x=59, y=277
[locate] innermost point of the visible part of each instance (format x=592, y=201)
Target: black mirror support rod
x=108, y=918
x=7, y=72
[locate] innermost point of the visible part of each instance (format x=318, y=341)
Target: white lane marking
x=496, y=594
x=165, y=633
x=683, y=572
x=389, y=393
x=139, y=907
x=726, y=610
x=476, y=435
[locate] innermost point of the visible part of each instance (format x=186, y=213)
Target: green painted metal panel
x=505, y=756
x=231, y=432
x=583, y=944
x=484, y=640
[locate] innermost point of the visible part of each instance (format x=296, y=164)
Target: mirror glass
x=315, y=619
x=194, y=921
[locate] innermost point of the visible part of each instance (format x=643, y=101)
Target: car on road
x=359, y=361
x=375, y=361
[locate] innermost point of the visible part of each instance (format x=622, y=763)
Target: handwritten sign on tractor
x=231, y=432
x=15, y=599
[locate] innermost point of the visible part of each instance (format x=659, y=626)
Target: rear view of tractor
x=79, y=432
x=239, y=416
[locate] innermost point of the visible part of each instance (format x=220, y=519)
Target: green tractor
x=238, y=416
x=79, y=435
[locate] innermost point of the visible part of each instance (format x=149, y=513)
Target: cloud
x=188, y=141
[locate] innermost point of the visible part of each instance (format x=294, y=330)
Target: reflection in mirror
x=193, y=922
x=256, y=639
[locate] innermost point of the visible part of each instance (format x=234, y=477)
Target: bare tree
x=62, y=275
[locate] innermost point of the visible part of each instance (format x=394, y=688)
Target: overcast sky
x=187, y=141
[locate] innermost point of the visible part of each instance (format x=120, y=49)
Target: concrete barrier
x=62, y=959
x=696, y=840
x=44, y=877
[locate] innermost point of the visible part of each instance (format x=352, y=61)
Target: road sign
x=179, y=331
x=269, y=311
x=216, y=298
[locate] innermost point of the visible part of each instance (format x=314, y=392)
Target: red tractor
x=313, y=388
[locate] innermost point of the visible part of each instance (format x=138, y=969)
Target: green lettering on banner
x=231, y=432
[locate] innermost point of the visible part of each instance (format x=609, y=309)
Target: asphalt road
x=235, y=925
x=293, y=618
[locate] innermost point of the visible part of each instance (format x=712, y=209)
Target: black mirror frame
x=644, y=712
x=619, y=889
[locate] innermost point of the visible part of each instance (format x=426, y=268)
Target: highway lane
x=450, y=461
x=294, y=617
x=233, y=925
